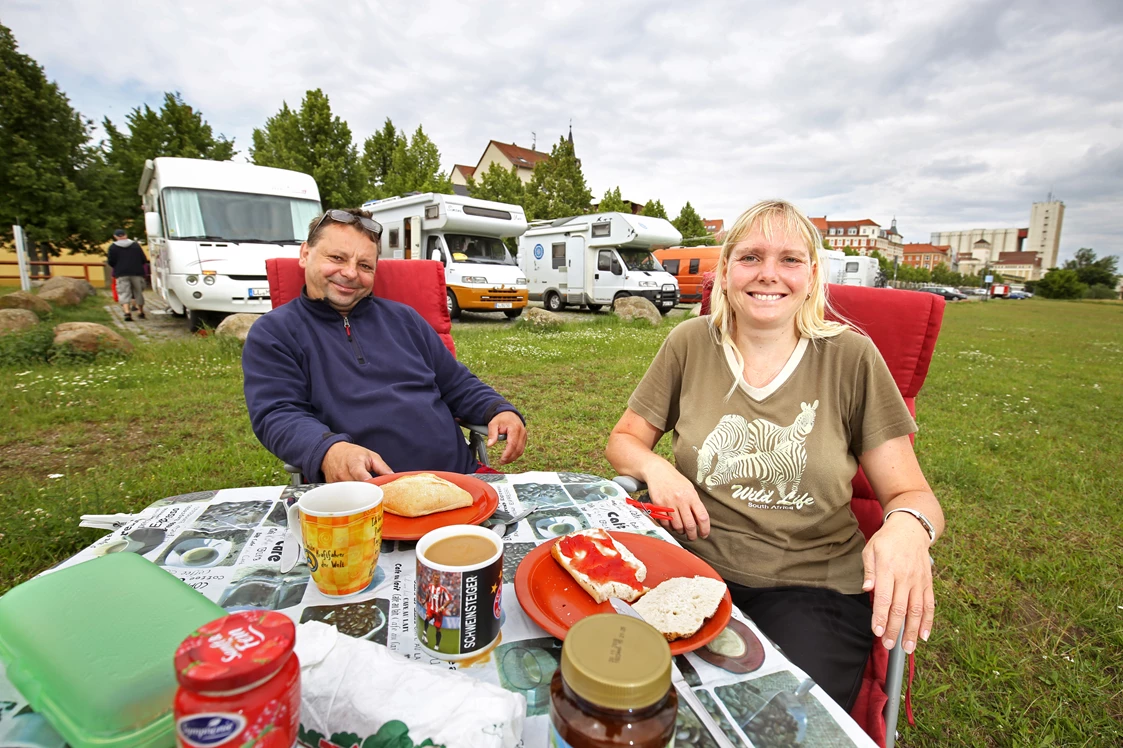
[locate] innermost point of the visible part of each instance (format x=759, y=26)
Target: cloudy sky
x=948, y=115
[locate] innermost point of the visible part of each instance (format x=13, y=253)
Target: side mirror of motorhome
x=152, y=225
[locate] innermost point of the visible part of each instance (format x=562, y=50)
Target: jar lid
x=235, y=651
x=616, y=662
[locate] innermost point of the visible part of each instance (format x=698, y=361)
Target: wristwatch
x=928, y=527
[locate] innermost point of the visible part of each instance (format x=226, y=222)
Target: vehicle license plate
x=504, y=305
x=257, y=293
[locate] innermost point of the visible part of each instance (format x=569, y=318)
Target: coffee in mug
x=459, y=591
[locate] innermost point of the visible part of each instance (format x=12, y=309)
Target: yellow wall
x=96, y=272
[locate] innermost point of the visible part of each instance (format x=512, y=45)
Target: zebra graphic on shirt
x=760, y=450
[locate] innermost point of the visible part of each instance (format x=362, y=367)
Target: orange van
x=687, y=265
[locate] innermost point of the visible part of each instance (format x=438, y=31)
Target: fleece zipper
x=354, y=343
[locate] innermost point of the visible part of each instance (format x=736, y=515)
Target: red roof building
x=863, y=236
x=926, y=256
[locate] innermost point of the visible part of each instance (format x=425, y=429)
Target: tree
x=378, y=153
x=1093, y=272
x=690, y=225
x=1060, y=284
x=850, y=251
x=175, y=130
x=52, y=179
x=613, y=202
x=557, y=186
x=317, y=143
x=414, y=167
x=498, y=184
x=654, y=208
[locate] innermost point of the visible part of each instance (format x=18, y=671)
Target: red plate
x=555, y=601
x=485, y=502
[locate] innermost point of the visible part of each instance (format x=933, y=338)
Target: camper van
x=596, y=259
x=688, y=264
x=212, y=224
x=851, y=270
x=466, y=236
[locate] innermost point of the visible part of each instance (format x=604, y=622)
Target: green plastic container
x=91, y=648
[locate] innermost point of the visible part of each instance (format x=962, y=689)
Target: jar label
x=207, y=730
x=557, y=741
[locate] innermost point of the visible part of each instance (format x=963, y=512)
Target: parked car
x=1018, y=295
x=976, y=292
x=949, y=294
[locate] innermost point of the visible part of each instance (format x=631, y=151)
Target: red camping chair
x=904, y=326
x=417, y=283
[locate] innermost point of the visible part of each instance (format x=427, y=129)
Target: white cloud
x=946, y=115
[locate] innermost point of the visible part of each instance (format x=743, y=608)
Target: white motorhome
x=212, y=224
x=466, y=236
x=851, y=270
x=596, y=259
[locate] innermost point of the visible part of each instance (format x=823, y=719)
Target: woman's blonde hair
x=772, y=216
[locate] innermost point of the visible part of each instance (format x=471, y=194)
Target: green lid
x=616, y=662
x=91, y=647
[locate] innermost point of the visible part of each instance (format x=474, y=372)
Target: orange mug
x=340, y=527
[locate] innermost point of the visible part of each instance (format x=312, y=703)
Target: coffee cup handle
x=293, y=513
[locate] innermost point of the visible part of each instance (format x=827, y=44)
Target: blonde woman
x=772, y=408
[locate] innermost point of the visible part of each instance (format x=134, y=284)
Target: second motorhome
x=466, y=236
x=594, y=260
x=851, y=270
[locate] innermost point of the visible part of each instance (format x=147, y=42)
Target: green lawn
x=1020, y=437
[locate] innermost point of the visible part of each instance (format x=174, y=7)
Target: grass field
x=1020, y=437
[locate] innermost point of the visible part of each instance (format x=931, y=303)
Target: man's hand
x=347, y=461
x=510, y=424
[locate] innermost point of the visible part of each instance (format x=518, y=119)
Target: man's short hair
x=119, y=232
x=319, y=223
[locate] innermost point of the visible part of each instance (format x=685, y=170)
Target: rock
x=236, y=326
x=90, y=337
x=16, y=320
x=536, y=317
x=24, y=300
x=62, y=295
x=637, y=307
x=82, y=286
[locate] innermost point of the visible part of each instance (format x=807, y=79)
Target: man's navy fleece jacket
x=392, y=387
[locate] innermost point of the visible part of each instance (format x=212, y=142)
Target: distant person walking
x=128, y=260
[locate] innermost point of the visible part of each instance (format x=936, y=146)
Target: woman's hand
x=899, y=572
x=668, y=487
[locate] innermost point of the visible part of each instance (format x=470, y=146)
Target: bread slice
x=421, y=494
x=603, y=546
x=679, y=606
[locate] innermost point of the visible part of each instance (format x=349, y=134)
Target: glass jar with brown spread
x=613, y=687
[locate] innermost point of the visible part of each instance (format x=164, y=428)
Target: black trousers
x=825, y=633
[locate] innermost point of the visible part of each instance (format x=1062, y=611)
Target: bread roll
x=679, y=606
x=421, y=494
x=603, y=545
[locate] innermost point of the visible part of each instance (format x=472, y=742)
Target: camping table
x=247, y=526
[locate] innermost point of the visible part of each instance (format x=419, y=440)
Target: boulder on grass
x=62, y=295
x=17, y=320
x=536, y=317
x=90, y=337
x=637, y=307
x=81, y=285
x=25, y=300
x=236, y=325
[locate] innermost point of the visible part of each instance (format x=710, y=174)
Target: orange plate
x=555, y=601
x=485, y=502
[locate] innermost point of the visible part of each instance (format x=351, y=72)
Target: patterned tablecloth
x=750, y=697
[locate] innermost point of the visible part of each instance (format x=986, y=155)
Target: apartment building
x=926, y=256
x=864, y=236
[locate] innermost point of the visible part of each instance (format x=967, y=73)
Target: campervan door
x=212, y=224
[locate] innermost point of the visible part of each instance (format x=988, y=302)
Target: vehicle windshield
x=486, y=250
x=639, y=259
x=237, y=216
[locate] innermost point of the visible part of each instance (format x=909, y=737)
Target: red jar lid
x=235, y=651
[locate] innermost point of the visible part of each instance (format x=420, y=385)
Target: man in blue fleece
x=348, y=386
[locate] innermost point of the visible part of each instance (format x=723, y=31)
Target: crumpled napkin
x=357, y=686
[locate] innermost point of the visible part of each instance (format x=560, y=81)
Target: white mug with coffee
x=459, y=591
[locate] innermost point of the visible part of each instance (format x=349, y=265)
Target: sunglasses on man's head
x=342, y=216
